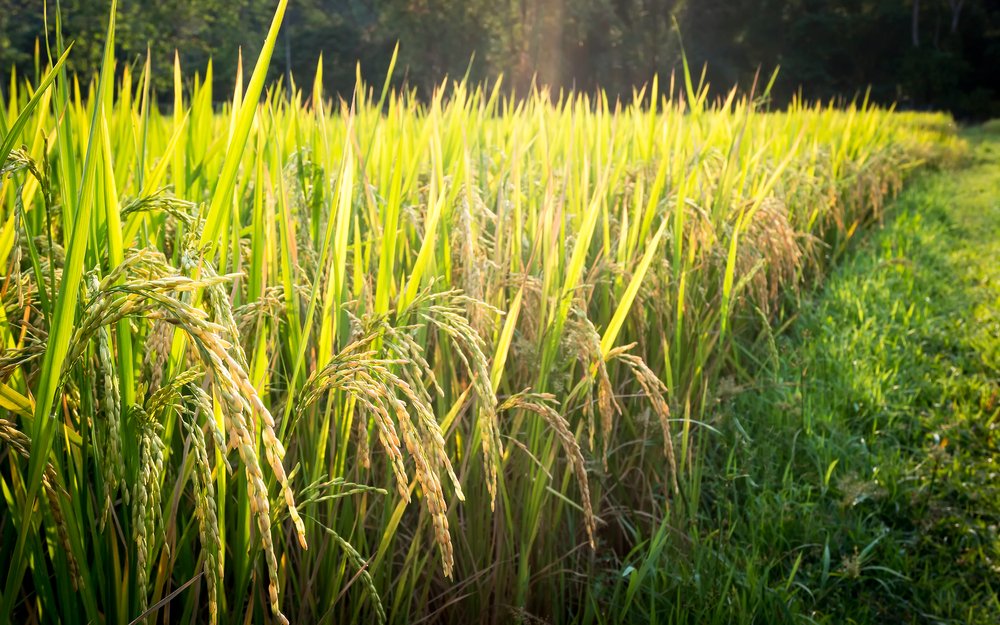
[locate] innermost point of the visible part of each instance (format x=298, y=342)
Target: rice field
x=319, y=360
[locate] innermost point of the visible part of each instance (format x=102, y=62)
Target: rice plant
x=314, y=360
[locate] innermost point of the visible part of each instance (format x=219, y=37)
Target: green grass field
x=549, y=358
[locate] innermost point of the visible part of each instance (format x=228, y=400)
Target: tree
x=938, y=53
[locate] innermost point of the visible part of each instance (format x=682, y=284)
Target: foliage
x=825, y=49
x=852, y=479
x=460, y=352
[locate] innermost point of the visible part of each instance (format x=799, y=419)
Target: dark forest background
x=942, y=54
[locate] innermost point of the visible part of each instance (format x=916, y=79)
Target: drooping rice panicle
x=285, y=276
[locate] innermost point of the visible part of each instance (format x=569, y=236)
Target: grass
x=395, y=360
x=853, y=478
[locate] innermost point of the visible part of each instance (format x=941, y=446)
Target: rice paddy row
x=330, y=360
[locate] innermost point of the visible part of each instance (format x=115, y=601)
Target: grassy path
x=857, y=483
x=888, y=498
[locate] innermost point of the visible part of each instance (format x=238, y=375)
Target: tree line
x=919, y=53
